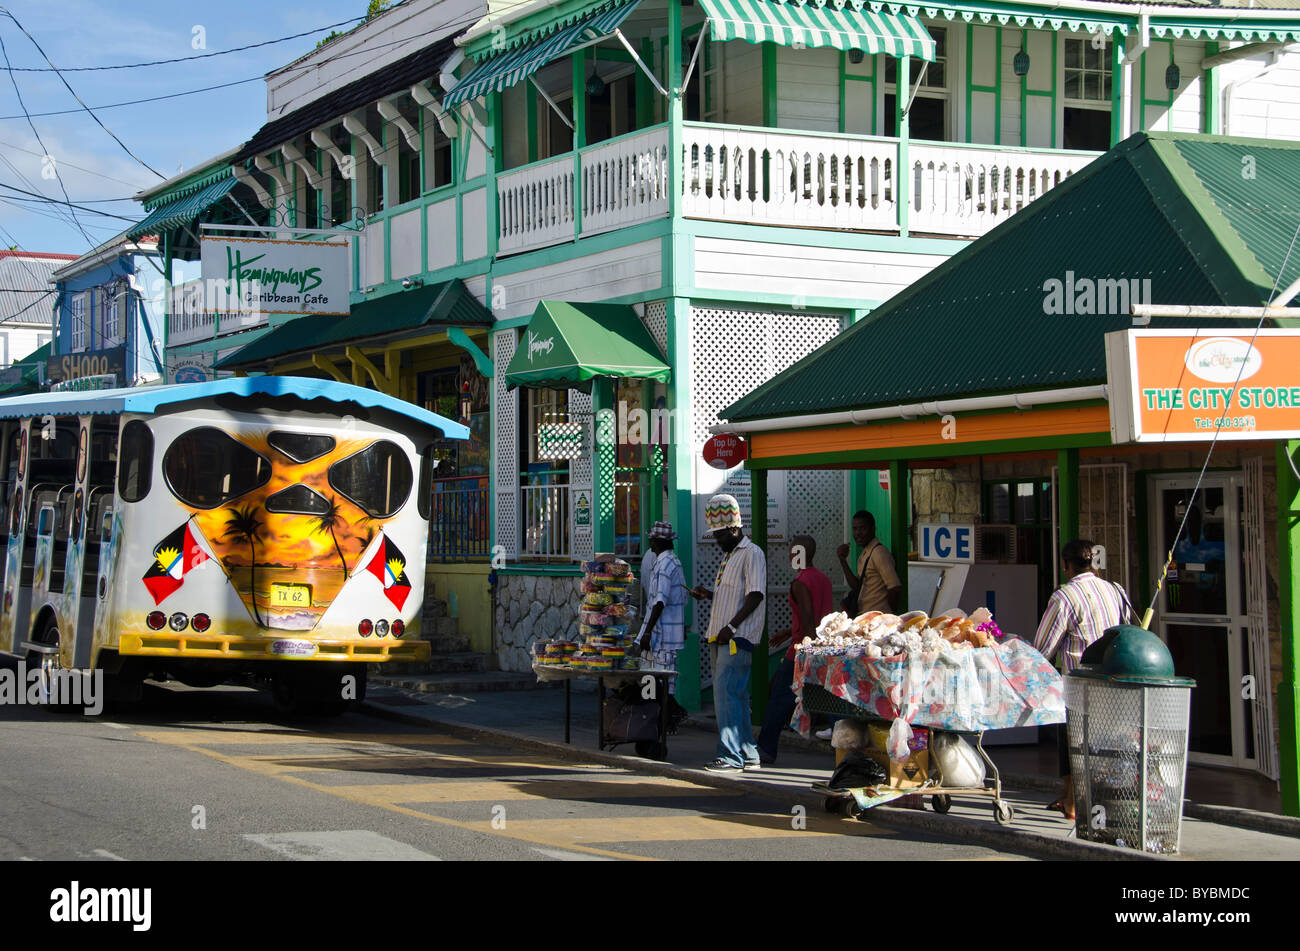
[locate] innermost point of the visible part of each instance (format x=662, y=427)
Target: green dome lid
x=1135, y=654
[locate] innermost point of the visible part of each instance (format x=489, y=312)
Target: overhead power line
x=73, y=92
x=55, y=201
x=184, y=59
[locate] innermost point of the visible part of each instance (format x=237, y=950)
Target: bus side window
x=425, y=499
x=135, y=461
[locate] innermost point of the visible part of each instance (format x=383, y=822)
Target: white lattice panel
x=581, y=470
x=506, y=447
x=656, y=321
x=733, y=351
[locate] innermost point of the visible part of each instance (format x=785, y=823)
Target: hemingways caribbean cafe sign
x=1186, y=385
x=253, y=277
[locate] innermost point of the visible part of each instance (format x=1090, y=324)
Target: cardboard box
x=912, y=772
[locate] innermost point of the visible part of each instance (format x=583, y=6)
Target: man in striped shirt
x=1078, y=613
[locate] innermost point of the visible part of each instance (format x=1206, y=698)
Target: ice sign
x=945, y=541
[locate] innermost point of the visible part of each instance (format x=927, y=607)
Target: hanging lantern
x=1020, y=64
x=595, y=85
x=856, y=56
x=1173, y=78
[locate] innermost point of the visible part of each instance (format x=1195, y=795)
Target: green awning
x=29, y=375
x=995, y=13
x=438, y=306
x=806, y=24
x=513, y=67
x=183, y=211
x=566, y=346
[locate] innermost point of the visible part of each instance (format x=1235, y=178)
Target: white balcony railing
x=187, y=322
x=800, y=179
x=546, y=520
x=776, y=177
x=964, y=190
x=535, y=205
x=796, y=179
x=625, y=181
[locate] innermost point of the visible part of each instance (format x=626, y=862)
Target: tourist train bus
x=268, y=526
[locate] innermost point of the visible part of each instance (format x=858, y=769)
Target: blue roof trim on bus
x=149, y=399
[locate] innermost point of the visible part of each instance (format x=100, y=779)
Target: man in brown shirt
x=880, y=588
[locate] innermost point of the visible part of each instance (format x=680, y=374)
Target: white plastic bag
x=900, y=733
x=959, y=762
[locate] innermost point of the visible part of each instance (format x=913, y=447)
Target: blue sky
x=168, y=135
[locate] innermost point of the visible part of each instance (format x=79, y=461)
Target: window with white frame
x=544, y=502
x=77, y=313
x=112, y=321
x=929, y=117
x=1086, y=93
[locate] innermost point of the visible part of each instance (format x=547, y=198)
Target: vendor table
x=548, y=672
x=966, y=691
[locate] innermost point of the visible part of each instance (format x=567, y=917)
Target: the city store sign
x=74, y=366
x=254, y=277
x=1188, y=385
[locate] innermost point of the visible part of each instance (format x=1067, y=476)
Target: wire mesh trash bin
x=1127, y=717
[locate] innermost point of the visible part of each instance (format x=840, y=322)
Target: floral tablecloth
x=987, y=688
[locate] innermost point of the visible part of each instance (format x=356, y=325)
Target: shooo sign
x=252, y=276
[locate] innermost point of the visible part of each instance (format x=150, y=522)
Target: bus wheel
x=49, y=667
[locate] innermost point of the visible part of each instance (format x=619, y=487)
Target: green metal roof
x=808, y=24
x=30, y=377
x=183, y=211
x=447, y=304
x=569, y=345
x=1167, y=208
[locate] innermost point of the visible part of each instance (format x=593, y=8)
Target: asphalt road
x=218, y=775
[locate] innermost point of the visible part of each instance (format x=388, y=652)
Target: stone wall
x=952, y=492
x=529, y=607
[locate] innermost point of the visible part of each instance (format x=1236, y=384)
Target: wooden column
x=1288, y=576
x=900, y=518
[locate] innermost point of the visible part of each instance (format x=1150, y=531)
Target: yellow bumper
x=237, y=647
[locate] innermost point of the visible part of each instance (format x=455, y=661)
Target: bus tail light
x=200, y=623
x=365, y=627
x=178, y=621
x=381, y=628
x=156, y=620
x=399, y=628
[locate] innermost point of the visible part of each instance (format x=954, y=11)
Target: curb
x=967, y=830
x=1243, y=818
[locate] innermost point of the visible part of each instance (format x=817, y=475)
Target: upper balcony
x=777, y=177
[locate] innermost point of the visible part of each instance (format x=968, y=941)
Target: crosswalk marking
x=507, y=790
x=519, y=777
x=350, y=845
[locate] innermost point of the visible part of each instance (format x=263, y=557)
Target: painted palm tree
x=329, y=520
x=244, y=526
x=368, y=523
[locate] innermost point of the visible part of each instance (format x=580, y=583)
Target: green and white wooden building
x=744, y=178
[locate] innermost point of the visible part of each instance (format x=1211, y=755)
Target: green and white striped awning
x=510, y=68
x=806, y=24
x=183, y=211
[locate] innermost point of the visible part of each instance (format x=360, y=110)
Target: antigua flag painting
x=388, y=564
x=175, y=555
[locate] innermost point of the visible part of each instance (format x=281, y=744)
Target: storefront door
x=1201, y=612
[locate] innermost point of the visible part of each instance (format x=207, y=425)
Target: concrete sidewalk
x=535, y=719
